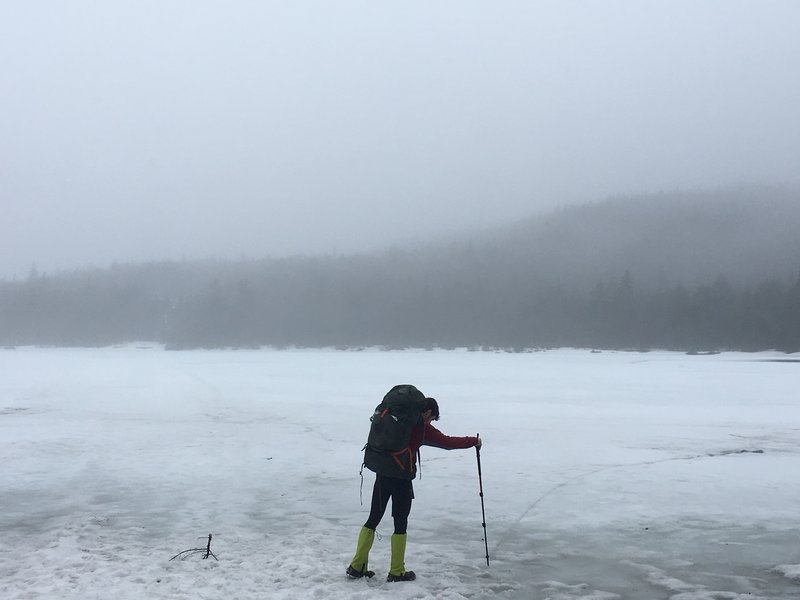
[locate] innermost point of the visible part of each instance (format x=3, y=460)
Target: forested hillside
x=687, y=271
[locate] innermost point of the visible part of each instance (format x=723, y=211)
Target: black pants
x=401, y=492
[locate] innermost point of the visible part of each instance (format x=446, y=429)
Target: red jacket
x=427, y=435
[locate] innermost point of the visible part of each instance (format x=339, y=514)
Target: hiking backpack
x=387, y=451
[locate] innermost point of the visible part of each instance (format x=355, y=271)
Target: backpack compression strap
x=404, y=452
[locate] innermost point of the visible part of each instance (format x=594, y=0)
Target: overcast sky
x=169, y=129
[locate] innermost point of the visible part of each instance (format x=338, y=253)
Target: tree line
x=685, y=271
x=359, y=302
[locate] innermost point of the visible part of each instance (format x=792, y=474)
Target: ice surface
x=606, y=475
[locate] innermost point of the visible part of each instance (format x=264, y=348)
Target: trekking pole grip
x=480, y=477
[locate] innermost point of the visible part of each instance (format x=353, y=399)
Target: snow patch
x=556, y=590
x=789, y=571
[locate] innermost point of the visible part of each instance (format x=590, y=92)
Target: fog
x=133, y=131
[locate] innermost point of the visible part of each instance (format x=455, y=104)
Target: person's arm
x=434, y=437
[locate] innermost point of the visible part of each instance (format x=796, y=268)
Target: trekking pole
x=483, y=509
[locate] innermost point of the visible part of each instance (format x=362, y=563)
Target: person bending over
x=401, y=492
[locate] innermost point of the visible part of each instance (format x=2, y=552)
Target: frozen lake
x=606, y=475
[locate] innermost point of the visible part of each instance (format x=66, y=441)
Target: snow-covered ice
x=606, y=475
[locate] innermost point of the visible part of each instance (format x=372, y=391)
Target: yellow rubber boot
x=358, y=566
x=397, y=567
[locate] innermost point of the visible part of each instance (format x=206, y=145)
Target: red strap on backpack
x=406, y=451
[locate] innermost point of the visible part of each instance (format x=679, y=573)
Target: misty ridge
x=690, y=271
